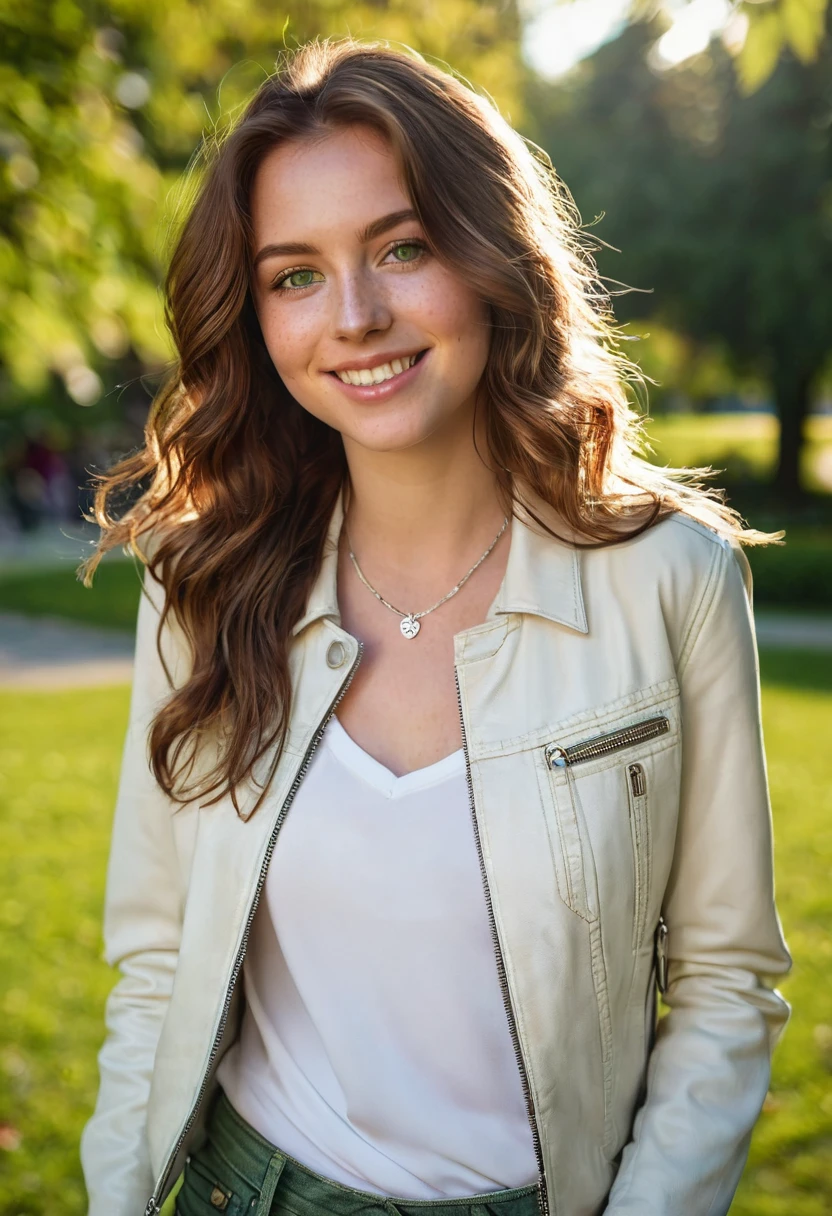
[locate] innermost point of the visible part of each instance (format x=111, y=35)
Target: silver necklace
x=409, y=624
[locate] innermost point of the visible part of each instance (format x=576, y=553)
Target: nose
x=359, y=307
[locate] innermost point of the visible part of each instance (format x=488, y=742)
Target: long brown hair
x=239, y=481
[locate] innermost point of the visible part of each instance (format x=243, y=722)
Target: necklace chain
x=410, y=620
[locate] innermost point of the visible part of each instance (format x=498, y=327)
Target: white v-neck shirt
x=374, y=1046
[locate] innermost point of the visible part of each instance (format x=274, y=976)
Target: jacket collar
x=542, y=577
x=543, y=574
x=323, y=598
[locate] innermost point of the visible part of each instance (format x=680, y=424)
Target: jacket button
x=336, y=654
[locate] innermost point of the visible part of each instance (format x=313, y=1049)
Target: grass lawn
x=59, y=759
x=112, y=601
x=745, y=444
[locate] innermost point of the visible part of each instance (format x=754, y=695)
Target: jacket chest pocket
x=603, y=788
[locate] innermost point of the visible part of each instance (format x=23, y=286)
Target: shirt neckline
x=375, y=774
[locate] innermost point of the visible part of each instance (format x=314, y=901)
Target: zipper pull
x=557, y=757
x=661, y=955
x=637, y=782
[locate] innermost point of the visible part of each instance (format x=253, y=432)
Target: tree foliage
x=719, y=202
x=101, y=109
x=774, y=28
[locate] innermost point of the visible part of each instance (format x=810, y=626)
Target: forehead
x=331, y=184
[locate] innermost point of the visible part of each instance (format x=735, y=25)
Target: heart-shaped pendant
x=409, y=626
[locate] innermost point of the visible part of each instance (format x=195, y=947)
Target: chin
x=398, y=440
x=395, y=435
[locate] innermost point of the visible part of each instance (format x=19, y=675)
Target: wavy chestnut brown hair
x=239, y=482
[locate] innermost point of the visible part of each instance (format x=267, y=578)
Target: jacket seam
x=602, y=999
x=701, y=611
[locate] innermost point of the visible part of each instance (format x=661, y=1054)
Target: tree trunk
x=792, y=398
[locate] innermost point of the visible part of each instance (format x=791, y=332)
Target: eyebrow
x=375, y=228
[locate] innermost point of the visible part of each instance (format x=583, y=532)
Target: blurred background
x=696, y=138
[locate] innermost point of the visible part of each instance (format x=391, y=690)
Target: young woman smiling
x=444, y=746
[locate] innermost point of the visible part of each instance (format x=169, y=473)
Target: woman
x=450, y=748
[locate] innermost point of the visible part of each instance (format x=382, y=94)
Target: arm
x=709, y=1070
x=142, y=920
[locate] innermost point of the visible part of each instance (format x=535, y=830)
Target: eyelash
x=277, y=285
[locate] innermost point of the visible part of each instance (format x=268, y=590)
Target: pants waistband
x=264, y=1167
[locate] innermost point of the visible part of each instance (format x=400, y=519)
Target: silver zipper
x=637, y=781
x=153, y=1208
x=600, y=745
x=543, y=1199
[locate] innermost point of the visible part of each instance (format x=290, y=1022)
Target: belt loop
x=390, y=1207
x=270, y=1182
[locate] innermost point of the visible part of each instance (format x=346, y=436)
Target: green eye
x=304, y=275
x=295, y=280
x=409, y=249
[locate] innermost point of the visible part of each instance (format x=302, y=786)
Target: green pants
x=236, y=1171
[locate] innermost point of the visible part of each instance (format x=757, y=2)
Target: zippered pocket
x=570, y=835
x=611, y=741
x=640, y=835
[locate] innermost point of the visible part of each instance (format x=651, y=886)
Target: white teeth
x=381, y=373
x=377, y=375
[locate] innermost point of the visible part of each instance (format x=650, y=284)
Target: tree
x=720, y=202
x=101, y=108
x=773, y=28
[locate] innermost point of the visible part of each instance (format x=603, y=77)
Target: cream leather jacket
x=611, y=721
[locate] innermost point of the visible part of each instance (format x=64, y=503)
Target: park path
x=49, y=654
x=40, y=652
x=793, y=631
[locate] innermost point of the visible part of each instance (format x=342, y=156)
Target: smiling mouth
x=368, y=376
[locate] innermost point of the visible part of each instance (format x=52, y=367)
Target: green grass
x=59, y=761
x=743, y=444
x=111, y=602
x=56, y=801
x=788, y=1172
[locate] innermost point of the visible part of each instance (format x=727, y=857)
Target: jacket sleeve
x=142, y=920
x=709, y=1070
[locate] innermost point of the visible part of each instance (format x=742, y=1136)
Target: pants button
x=336, y=654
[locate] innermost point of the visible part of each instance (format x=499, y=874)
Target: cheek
x=453, y=314
x=290, y=340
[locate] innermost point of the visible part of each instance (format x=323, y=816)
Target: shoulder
x=678, y=547
x=677, y=550
x=678, y=571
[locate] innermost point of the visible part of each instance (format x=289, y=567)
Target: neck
x=424, y=508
